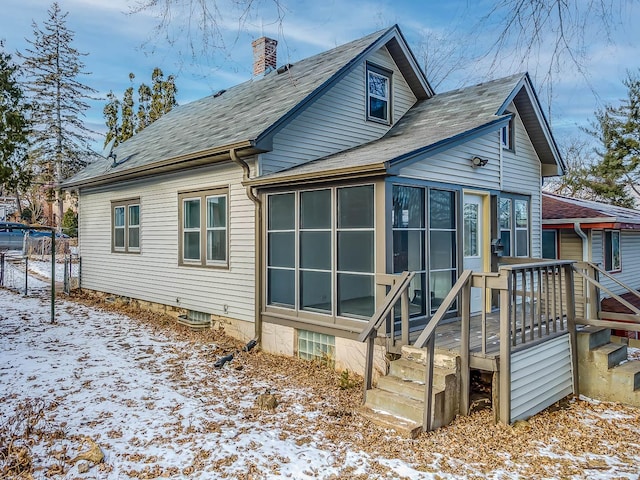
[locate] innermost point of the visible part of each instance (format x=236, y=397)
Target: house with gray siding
x=278, y=208
x=607, y=235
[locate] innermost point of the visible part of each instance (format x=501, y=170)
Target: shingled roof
x=239, y=116
x=559, y=209
x=428, y=125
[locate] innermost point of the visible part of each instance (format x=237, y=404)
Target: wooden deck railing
x=536, y=300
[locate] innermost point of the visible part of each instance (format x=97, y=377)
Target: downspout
x=246, y=174
x=585, y=243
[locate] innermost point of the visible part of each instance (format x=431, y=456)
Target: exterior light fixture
x=479, y=162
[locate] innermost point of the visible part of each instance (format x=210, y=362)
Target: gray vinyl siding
x=522, y=174
x=629, y=258
x=337, y=120
x=153, y=274
x=454, y=165
x=540, y=376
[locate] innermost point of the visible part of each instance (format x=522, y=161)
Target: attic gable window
x=378, y=94
x=506, y=135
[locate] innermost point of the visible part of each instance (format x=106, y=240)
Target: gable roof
x=244, y=115
x=558, y=210
x=432, y=125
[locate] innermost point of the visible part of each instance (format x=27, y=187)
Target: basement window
x=316, y=346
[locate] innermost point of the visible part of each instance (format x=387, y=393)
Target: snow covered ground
x=149, y=396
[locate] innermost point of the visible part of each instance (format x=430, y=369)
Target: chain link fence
x=30, y=270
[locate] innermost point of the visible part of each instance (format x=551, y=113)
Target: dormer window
x=506, y=135
x=378, y=94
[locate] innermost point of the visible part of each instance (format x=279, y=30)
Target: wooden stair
x=398, y=400
x=604, y=371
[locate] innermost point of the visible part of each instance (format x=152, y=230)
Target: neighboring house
x=274, y=205
x=588, y=231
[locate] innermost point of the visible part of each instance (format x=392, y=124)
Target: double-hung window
x=378, y=94
x=612, y=261
x=204, y=228
x=125, y=234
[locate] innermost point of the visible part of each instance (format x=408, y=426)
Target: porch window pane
x=417, y=305
x=505, y=238
x=505, y=213
x=315, y=291
x=315, y=209
x=355, y=207
x=522, y=243
x=281, y=287
x=407, y=250
x=355, y=295
x=549, y=244
x=408, y=207
x=443, y=250
x=282, y=249
x=281, y=212
x=315, y=250
x=192, y=245
x=440, y=285
x=442, y=209
x=355, y=251
x=522, y=213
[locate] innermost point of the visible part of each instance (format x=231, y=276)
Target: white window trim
x=387, y=75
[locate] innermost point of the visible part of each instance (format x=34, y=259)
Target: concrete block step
x=627, y=375
x=403, y=426
x=415, y=390
x=441, y=359
x=609, y=355
x=410, y=370
x=405, y=407
x=591, y=337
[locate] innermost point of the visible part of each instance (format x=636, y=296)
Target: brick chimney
x=264, y=55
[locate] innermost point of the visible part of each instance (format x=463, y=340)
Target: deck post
x=404, y=316
x=505, y=351
x=368, y=366
x=571, y=325
x=465, y=373
x=428, y=384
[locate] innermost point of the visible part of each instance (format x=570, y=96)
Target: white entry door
x=473, y=248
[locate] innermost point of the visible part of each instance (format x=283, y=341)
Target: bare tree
x=202, y=23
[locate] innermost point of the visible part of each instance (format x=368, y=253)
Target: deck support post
x=505, y=351
x=368, y=366
x=465, y=373
x=428, y=384
x=571, y=325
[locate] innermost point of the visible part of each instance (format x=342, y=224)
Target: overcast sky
x=118, y=42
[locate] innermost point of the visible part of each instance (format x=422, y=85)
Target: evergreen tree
x=153, y=102
x=618, y=128
x=14, y=128
x=53, y=67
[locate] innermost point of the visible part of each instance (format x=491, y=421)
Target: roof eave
x=315, y=177
x=195, y=159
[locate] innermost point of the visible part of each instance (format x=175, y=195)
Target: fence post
x=67, y=290
x=26, y=275
x=1, y=269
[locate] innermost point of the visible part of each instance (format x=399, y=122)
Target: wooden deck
x=447, y=337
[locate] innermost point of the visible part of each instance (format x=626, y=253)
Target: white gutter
x=585, y=241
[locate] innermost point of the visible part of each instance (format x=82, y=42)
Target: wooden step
x=610, y=355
